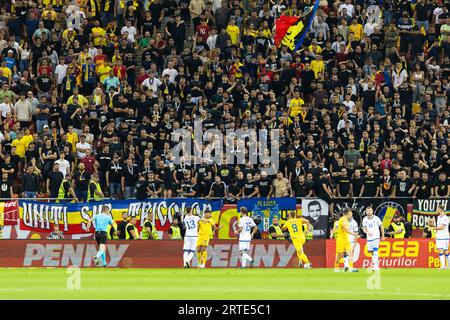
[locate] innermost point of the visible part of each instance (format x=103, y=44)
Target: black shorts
x=100, y=237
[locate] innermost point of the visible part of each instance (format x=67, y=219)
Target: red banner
x=10, y=212
x=152, y=253
x=393, y=253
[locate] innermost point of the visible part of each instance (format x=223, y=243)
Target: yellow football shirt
x=295, y=228
x=20, y=147
x=103, y=71
x=342, y=234
x=296, y=106
x=73, y=139
x=233, y=31
x=205, y=227
x=317, y=66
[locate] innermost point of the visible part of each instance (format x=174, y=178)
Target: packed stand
x=93, y=91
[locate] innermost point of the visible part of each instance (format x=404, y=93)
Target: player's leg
x=300, y=252
x=374, y=247
x=185, y=252
x=349, y=250
x=192, y=247
x=103, y=249
x=244, y=247
x=199, y=252
x=440, y=246
x=339, y=255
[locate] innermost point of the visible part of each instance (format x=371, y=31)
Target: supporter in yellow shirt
x=103, y=71
x=357, y=29
x=98, y=33
x=81, y=99
x=72, y=137
x=295, y=106
x=19, y=143
x=233, y=31
x=317, y=65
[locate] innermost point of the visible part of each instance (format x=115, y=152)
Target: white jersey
x=373, y=227
x=442, y=234
x=191, y=224
x=354, y=227
x=246, y=223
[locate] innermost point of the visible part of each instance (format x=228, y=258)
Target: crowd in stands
x=92, y=91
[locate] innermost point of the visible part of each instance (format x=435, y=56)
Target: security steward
x=397, y=228
x=149, y=230
x=94, y=190
x=175, y=231
x=275, y=231
x=66, y=192
x=430, y=233
x=131, y=232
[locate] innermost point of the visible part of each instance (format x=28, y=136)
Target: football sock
x=104, y=258
x=442, y=259
x=199, y=258
x=99, y=253
x=205, y=255
x=185, y=257
x=246, y=256
x=303, y=257
x=190, y=256
x=375, y=257
x=345, y=261
x=350, y=264
x=243, y=261
x=448, y=259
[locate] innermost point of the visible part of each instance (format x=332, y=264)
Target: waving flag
x=290, y=31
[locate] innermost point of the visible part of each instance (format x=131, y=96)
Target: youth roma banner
x=73, y=217
x=264, y=209
x=384, y=208
x=425, y=209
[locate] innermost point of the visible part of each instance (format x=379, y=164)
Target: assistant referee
x=101, y=222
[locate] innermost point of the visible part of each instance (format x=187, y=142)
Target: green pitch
x=43, y=283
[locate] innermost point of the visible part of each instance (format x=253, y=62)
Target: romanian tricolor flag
x=290, y=31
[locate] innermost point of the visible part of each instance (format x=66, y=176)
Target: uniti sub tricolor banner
x=73, y=217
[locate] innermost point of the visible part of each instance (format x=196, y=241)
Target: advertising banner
x=316, y=211
x=263, y=210
x=425, y=209
x=384, y=208
x=152, y=253
x=73, y=217
x=9, y=213
x=393, y=253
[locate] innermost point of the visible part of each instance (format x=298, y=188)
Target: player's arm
x=349, y=230
x=239, y=230
x=440, y=227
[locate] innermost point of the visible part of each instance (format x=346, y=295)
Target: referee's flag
x=290, y=31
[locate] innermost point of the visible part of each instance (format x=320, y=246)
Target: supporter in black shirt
x=357, y=183
x=403, y=186
x=264, y=185
x=302, y=188
x=442, y=186
x=424, y=188
x=218, y=189
x=6, y=190
x=370, y=188
x=344, y=185
x=250, y=188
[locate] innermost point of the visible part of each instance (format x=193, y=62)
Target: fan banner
x=384, y=208
x=263, y=210
x=9, y=213
x=392, y=253
x=291, y=31
x=425, y=209
x=316, y=211
x=73, y=217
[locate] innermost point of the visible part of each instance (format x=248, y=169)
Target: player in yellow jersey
x=206, y=227
x=295, y=227
x=343, y=244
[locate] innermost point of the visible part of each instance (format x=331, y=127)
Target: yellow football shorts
x=343, y=246
x=202, y=241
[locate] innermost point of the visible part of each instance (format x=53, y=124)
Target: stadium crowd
x=92, y=92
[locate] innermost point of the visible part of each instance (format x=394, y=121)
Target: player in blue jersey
x=101, y=222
